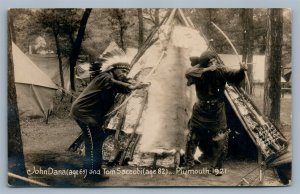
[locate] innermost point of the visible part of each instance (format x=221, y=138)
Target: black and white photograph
x=149, y=97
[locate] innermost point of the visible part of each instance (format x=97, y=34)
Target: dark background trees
x=231, y=22
x=121, y=25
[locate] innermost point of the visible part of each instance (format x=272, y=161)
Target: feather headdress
x=115, y=59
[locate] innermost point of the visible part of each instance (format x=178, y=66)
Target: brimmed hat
x=204, y=58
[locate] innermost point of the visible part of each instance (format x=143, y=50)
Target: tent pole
x=262, y=167
x=171, y=16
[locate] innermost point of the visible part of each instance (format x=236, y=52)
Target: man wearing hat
x=91, y=107
x=208, y=125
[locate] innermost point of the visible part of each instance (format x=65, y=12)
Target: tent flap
x=34, y=101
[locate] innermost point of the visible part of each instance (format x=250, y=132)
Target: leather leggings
x=93, y=138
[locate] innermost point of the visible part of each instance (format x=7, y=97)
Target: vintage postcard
x=149, y=97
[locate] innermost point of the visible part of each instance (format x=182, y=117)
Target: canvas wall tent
x=49, y=65
x=258, y=66
x=35, y=90
x=287, y=72
x=258, y=72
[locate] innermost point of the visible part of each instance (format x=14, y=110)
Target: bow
x=237, y=55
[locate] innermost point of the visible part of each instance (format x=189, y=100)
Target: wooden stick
x=27, y=179
x=145, y=99
x=245, y=180
x=137, y=139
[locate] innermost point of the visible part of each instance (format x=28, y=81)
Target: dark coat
x=96, y=100
x=209, y=111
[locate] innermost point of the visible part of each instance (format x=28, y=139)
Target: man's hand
x=132, y=81
x=212, y=68
x=244, y=66
x=139, y=85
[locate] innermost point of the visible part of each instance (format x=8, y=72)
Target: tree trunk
x=77, y=45
x=11, y=26
x=248, y=43
x=122, y=32
x=71, y=39
x=58, y=51
x=156, y=17
x=121, y=14
x=16, y=163
x=141, y=27
x=273, y=66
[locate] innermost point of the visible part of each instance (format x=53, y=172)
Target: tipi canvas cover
x=34, y=88
x=161, y=112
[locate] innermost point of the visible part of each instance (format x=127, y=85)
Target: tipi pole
x=134, y=92
x=185, y=21
x=171, y=16
x=144, y=102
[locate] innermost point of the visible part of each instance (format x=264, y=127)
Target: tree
x=16, y=163
x=77, y=45
x=119, y=20
x=248, y=43
x=55, y=30
x=63, y=25
x=156, y=17
x=272, y=86
x=51, y=19
x=11, y=26
x=152, y=15
x=141, y=27
x=70, y=24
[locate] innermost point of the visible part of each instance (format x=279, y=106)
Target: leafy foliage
x=121, y=26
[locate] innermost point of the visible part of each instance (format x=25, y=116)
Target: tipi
x=159, y=114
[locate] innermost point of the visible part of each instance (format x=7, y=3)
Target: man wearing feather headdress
x=93, y=104
x=208, y=125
